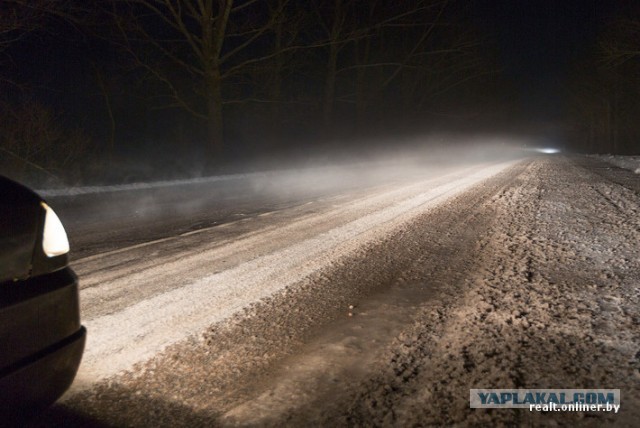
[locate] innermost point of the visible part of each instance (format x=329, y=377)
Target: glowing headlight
x=54, y=238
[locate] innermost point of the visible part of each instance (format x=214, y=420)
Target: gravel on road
x=528, y=279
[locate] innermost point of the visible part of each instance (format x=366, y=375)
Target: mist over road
x=333, y=305
x=162, y=291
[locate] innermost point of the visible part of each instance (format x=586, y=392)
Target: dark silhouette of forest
x=188, y=86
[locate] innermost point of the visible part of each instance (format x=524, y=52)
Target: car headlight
x=54, y=237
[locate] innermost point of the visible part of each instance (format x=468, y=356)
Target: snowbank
x=631, y=163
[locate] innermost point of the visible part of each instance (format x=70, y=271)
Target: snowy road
x=357, y=304
x=158, y=296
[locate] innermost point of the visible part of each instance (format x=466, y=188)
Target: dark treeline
x=179, y=87
x=198, y=82
x=604, y=91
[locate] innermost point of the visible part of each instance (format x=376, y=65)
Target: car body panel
x=37, y=382
x=36, y=314
x=20, y=217
x=41, y=337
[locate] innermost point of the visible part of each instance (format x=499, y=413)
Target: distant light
x=548, y=150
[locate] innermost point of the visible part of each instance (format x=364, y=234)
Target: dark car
x=41, y=338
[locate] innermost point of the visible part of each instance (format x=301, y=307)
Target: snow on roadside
x=552, y=303
x=632, y=163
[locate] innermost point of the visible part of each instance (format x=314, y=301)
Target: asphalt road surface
x=329, y=299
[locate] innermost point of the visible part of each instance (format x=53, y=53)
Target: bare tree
x=606, y=86
x=378, y=52
x=34, y=144
x=333, y=20
x=360, y=26
x=18, y=18
x=622, y=43
x=194, y=46
x=619, y=52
